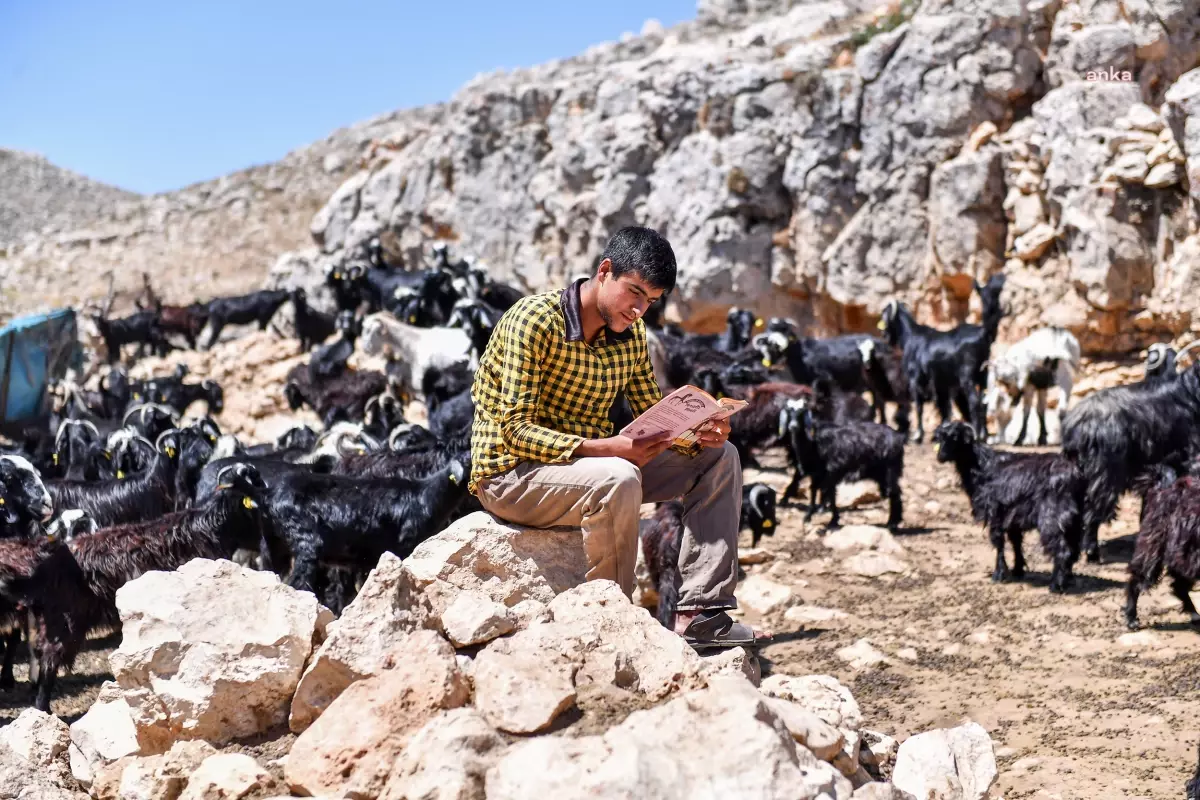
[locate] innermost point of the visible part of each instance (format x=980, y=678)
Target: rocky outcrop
x=956, y=763
x=212, y=651
x=38, y=196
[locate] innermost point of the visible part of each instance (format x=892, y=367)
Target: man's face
x=623, y=300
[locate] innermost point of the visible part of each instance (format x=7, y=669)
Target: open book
x=680, y=413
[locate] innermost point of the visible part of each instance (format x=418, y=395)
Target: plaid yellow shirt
x=541, y=389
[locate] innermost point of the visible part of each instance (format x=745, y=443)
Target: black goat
x=833, y=405
x=178, y=395
x=313, y=327
x=381, y=414
x=342, y=399
x=950, y=364
x=662, y=538
x=757, y=424
x=76, y=444
x=1116, y=434
x=187, y=321
x=134, y=498
x=150, y=420
x=758, y=511
x=244, y=309
x=478, y=319
x=439, y=384
x=334, y=520
x=330, y=360
x=25, y=502
x=140, y=328
x=73, y=587
x=832, y=454
x=453, y=418
x=1169, y=539
x=1013, y=493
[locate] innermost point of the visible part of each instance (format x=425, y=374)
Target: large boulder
x=227, y=776
x=594, y=638
x=1182, y=112
x=735, y=745
x=212, y=650
x=33, y=759
x=152, y=777
x=507, y=563
x=360, y=643
x=949, y=764
x=352, y=746
x=106, y=733
x=446, y=760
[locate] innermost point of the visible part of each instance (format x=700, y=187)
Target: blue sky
x=152, y=95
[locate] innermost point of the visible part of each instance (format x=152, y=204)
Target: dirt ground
x=1077, y=708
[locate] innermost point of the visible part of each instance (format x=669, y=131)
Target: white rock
x=447, y=759
x=872, y=564
x=856, y=494
x=880, y=791
x=354, y=745
x=161, y=776
x=732, y=661
x=824, y=740
x=507, y=563
x=357, y=645
x=1164, y=175
x=103, y=734
x=954, y=762
x=762, y=595
x=863, y=537
x=228, y=776
x=814, y=615
x=861, y=654
x=519, y=690
x=37, y=737
x=474, y=618
x=754, y=555
x=908, y=653
x=1141, y=117
x=212, y=650
x=1030, y=246
x=1130, y=167
x=1140, y=639
x=729, y=725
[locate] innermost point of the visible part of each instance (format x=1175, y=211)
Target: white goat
x=1045, y=358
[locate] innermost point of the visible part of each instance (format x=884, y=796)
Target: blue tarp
x=34, y=351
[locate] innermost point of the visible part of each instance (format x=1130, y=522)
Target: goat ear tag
x=766, y=362
x=54, y=458
x=120, y=475
x=768, y=524
x=170, y=452
x=881, y=325
x=248, y=503
x=412, y=319
x=936, y=447
x=108, y=455
x=453, y=479
x=758, y=323
x=1, y=501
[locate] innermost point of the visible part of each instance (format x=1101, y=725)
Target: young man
x=542, y=449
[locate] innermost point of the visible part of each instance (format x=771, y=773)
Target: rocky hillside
x=807, y=158
x=212, y=238
x=39, y=196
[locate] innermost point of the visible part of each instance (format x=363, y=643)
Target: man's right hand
x=638, y=452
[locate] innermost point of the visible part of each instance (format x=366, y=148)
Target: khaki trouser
x=602, y=495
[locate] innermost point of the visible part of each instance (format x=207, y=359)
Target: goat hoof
x=1018, y=573
x=1133, y=624
x=1001, y=576
x=1058, y=588
x=1195, y=621
x=1093, y=556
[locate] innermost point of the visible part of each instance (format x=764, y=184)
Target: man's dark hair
x=644, y=252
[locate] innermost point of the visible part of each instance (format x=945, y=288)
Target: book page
x=680, y=412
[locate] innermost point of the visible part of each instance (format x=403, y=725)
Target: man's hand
x=636, y=451
x=714, y=433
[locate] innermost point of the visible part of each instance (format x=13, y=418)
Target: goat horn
x=1189, y=346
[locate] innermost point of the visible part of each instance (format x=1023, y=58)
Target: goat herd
x=116, y=481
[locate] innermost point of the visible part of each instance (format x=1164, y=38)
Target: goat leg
x=1025, y=409
x=1181, y=587
x=895, y=502
x=1017, y=537
x=1132, y=589
x=1041, y=401
x=793, y=486
x=12, y=640
x=812, y=503
x=1001, y=573
x=829, y=495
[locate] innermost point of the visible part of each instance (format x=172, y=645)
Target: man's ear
x=604, y=268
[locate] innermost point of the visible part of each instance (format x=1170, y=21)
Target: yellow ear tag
x=120, y=475
x=54, y=458
x=1, y=501
x=881, y=325
x=337, y=276
x=453, y=479
x=248, y=503
x=766, y=362
x=108, y=455
x=768, y=524
x=170, y=452
x=137, y=396
x=936, y=448
x=412, y=319
x=758, y=323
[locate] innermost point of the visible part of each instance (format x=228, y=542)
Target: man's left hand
x=713, y=434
